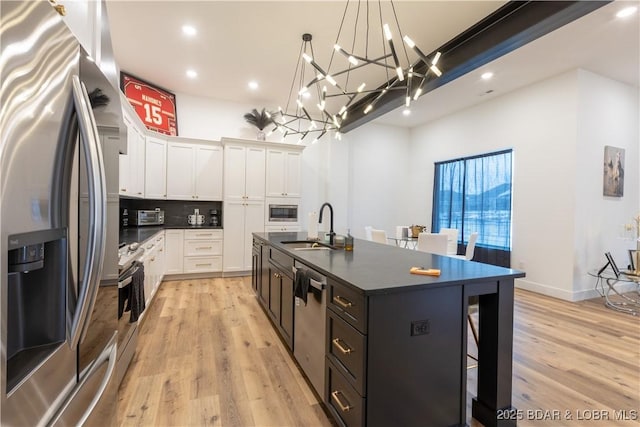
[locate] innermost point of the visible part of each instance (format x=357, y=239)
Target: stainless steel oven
x=278, y=212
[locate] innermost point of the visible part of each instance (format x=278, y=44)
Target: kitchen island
x=396, y=342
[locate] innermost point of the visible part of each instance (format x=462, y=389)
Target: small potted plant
x=259, y=119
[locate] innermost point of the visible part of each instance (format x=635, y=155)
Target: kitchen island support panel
x=495, y=355
x=415, y=358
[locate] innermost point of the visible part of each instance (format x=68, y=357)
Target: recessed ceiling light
x=253, y=85
x=406, y=112
x=487, y=75
x=627, y=11
x=188, y=30
x=192, y=74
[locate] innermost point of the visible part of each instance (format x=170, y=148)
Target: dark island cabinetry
x=396, y=343
x=272, y=281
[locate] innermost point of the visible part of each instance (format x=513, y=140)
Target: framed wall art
x=613, y=176
x=155, y=106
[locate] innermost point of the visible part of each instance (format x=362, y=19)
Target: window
x=474, y=194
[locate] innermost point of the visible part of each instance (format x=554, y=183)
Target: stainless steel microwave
x=283, y=213
x=147, y=217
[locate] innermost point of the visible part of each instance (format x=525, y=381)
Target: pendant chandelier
x=368, y=66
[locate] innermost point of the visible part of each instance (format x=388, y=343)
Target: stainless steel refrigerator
x=60, y=124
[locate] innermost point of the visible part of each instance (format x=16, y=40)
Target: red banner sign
x=155, y=106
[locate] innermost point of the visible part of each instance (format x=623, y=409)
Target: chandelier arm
x=295, y=73
x=384, y=49
x=344, y=15
x=395, y=17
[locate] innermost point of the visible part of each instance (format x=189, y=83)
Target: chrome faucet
x=331, y=233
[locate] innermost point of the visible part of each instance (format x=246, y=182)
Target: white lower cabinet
x=202, y=251
x=174, y=261
x=194, y=251
x=153, y=261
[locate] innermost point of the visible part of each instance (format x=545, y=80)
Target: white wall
x=608, y=114
x=554, y=128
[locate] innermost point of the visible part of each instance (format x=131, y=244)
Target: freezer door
x=90, y=403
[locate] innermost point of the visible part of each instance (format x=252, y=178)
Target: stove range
x=127, y=254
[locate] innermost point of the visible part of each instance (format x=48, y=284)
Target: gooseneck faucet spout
x=331, y=233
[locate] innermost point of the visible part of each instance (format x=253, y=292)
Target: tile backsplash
x=175, y=211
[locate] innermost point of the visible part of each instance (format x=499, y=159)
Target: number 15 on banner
x=152, y=114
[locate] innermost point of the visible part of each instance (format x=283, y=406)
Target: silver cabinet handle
x=78, y=322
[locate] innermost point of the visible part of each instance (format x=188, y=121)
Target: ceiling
x=240, y=41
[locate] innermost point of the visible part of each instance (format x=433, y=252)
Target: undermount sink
x=305, y=245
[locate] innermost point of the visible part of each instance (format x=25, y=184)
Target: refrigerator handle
x=92, y=269
x=109, y=354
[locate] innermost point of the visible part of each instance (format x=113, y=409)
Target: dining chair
x=471, y=248
x=452, y=240
x=434, y=243
x=379, y=236
x=367, y=232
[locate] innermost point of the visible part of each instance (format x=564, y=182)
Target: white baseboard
x=566, y=295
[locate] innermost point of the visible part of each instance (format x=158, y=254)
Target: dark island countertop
x=376, y=268
x=140, y=234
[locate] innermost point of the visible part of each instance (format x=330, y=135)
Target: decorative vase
x=261, y=136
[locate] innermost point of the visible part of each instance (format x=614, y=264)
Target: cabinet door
x=286, y=309
x=155, y=169
x=125, y=178
x=275, y=286
x=136, y=171
x=255, y=173
x=180, y=171
x=174, y=251
x=254, y=223
x=208, y=173
x=234, y=173
x=234, y=241
x=293, y=168
x=275, y=173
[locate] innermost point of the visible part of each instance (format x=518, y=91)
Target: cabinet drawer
x=202, y=264
x=348, y=303
x=346, y=348
x=202, y=247
x=343, y=401
x=283, y=260
x=203, y=234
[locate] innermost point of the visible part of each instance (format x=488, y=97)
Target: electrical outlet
x=420, y=327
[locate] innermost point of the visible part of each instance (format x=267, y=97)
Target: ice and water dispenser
x=37, y=300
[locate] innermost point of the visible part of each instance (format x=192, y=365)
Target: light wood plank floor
x=208, y=356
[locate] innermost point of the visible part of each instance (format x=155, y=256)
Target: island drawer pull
x=342, y=406
x=342, y=301
x=276, y=275
x=344, y=348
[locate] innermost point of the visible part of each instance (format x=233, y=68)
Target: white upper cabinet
x=208, y=172
x=244, y=172
x=194, y=172
x=180, y=171
x=132, y=164
x=155, y=183
x=283, y=173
